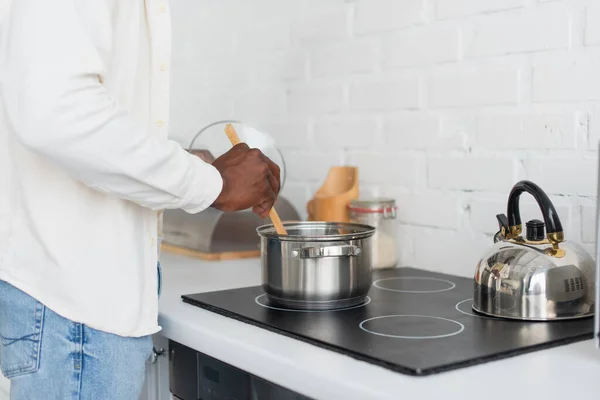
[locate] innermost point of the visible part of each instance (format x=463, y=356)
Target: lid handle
x=535, y=230
x=554, y=227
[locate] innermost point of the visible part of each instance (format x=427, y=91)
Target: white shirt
x=85, y=163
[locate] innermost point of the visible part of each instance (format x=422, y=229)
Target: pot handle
x=554, y=229
x=327, y=251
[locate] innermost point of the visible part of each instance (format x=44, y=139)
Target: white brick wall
x=421, y=46
x=317, y=27
x=592, y=28
x=373, y=16
x=343, y=58
x=461, y=8
x=492, y=174
x=307, y=100
x=581, y=179
x=385, y=94
x=419, y=132
x=528, y=131
x=543, y=28
x=479, y=87
x=402, y=169
x=566, y=82
x=347, y=129
x=442, y=104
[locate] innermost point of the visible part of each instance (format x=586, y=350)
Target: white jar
x=379, y=213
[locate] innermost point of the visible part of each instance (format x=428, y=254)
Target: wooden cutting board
x=230, y=255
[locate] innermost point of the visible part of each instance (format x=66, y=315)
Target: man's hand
x=250, y=180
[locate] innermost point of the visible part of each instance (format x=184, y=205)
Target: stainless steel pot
x=317, y=266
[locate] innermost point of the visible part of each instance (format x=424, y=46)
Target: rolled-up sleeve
x=57, y=106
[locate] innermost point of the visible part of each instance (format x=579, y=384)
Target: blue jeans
x=46, y=356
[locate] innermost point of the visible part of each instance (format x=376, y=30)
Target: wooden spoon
x=235, y=139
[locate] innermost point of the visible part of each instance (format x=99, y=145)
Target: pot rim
x=268, y=231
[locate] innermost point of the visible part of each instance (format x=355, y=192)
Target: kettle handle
x=554, y=227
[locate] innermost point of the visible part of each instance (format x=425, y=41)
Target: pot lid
x=316, y=231
x=212, y=142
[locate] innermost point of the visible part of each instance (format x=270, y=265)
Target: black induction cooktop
x=414, y=322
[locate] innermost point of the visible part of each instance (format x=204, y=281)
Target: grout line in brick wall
x=576, y=28
x=454, y=230
x=464, y=212
x=520, y=170
x=350, y=18
x=460, y=48
x=582, y=130
x=310, y=134
x=428, y=11
x=525, y=85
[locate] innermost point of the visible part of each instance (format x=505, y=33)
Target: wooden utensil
x=330, y=202
x=235, y=139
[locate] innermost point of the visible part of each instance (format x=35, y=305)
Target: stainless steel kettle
x=538, y=277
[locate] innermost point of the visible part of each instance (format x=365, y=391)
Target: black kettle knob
x=535, y=230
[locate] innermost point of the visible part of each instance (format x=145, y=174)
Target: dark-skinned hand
x=250, y=180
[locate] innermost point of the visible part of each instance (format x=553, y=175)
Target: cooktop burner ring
x=451, y=284
x=461, y=327
x=473, y=314
x=264, y=296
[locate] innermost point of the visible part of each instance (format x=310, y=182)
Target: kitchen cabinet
x=4, y=388
x=194, y=375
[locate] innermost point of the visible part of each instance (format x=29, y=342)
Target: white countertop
x=559, y=373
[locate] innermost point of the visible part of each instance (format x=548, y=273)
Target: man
x=85, y=169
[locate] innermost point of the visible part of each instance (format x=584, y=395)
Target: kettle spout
x=498, y=237
x=503, y=227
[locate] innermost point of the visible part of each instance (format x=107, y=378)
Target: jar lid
x=373, y=205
